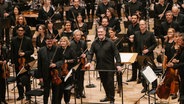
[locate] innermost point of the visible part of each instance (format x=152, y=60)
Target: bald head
x=175, y=10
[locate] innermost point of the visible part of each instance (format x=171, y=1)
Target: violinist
x=68, y=30
x=70, y=60
x=22, y=49
x=49, y=59
x=41, y=38
x=144, y=44
x=178, y=63
x=79, y=47
x=2, y=72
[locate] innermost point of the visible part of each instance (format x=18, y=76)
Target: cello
x=164, y=88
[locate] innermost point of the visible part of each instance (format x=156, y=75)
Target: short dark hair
x=20, y=26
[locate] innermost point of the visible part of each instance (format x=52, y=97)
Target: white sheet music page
x=125, y=57
x=149, y=74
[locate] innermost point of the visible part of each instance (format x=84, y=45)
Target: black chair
x=10, y=80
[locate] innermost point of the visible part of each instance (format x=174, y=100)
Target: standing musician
x=45, y=12
x=70, y=60
x=81, y=26
x=21, y=50
x=133, y=7
x=68, y=30
x=41, y=38
x=3, y=56
x=80, y=47
x=118, y=43
x=144, y=44
x=49, y=69
x=14, y=15
x=113, y=22
x=105, y=52
x=52, y=31
x=132, y=28
x=74, y=11
x=178, y=63
x=90, y=5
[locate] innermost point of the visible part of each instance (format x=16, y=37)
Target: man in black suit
x=49, y=59
x=21, y=51
x=144, y=44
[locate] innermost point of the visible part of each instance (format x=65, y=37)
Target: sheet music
x=149, y=74
x=125, y=57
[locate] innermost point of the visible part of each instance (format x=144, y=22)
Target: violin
x=21, y=62
x=55, y=78
x=64, y=71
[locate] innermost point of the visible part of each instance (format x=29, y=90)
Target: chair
x=10, y=80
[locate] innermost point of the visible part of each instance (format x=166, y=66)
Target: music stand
x=150, y=77
x=126, y=58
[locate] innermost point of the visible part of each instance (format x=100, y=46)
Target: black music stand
x=150, y=77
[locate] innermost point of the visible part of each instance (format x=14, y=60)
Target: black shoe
x=20, y=98
x=78, y=96
x=111, y=102
x=105, y=99
x=152, y=91
x=83, y=96
x=138, y=81
x=144, y=90
x=174, y=96
x=28, y=98
x=130, y=80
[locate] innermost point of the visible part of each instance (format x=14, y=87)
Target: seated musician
x=70, y=60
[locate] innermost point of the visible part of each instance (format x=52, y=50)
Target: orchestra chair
x=35, y=91
x=10, y=80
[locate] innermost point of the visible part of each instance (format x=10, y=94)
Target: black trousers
x=107, y=79
x=2, y=89
x=55, y=92
x=90, y=6
x=79, y=81
x=23, y=80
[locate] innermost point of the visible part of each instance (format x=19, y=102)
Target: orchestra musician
x=3, y=61
x=168, y=24
x=49, y=59
x=178, y=17
x=41, y=38
x=102, y=7
x=45, y=12
x=68, y=30
x=177, y=63
x=52, y=31
x=21, y=20
x=105, y=52
x=14, y=15
x=70, y=60
x=171, y=47
x=81, y=26
x=21, y=51
x=132, y=28
x=118, y=43
x=90, y=5
x=113, y=22
x=144, y=44
x=74, y=11
x=80, y=47
x=133, y=7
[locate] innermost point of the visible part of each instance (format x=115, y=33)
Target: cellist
x=171, y=48
x=178, y=63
